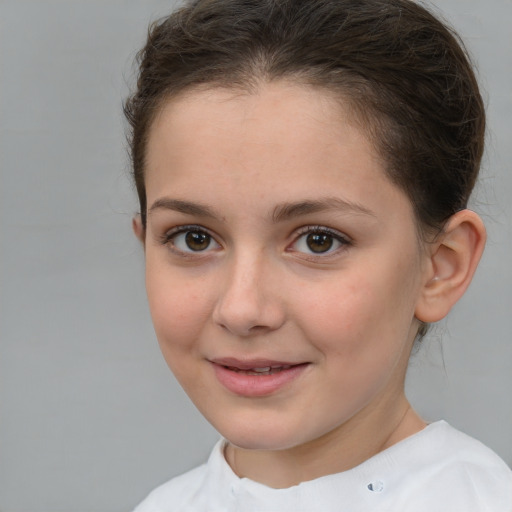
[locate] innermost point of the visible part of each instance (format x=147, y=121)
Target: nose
x=248, y=301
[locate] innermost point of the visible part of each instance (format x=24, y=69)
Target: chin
x=261, y=437
x=259, y=442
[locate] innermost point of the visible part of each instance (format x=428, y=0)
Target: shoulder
x=459, y=448
x=458, y=472
x=174, y=494
x=475, y=468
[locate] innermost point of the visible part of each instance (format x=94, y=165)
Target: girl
x=303, y=170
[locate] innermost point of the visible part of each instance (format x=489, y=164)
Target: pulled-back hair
x=404, y=76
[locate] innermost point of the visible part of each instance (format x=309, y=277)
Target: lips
x=256, y=378
x=251, y=364
x=265, y=370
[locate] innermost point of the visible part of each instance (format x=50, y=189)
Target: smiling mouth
x=265, y=370
x=256, y=378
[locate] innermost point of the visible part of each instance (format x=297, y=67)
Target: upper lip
x=247, y=364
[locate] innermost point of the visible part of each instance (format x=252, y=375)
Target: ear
x=138, y=229
x=452, y=261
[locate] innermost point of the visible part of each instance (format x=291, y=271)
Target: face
x=282, y=266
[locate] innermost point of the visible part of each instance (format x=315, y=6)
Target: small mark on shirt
x=376, y=486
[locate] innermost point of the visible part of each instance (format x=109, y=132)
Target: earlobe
x=138, y=228
x=452, y=261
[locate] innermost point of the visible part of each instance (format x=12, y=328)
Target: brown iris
x=197, y=240
x=319, y=242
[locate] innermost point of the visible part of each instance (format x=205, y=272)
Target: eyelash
x=169, y=240
x=170, y=236
x=338, y=237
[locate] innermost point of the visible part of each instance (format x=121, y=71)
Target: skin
x=231, y=164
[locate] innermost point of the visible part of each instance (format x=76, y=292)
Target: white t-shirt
x=436, y=470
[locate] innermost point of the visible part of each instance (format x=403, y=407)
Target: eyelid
x=339, y=236
x=317, y=228
x=166, y=239
x=343, y=239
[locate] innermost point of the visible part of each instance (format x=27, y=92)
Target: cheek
x=363, y=340
x=179, y=309
x=179, y=313
x=339, y=306
x=365, y=312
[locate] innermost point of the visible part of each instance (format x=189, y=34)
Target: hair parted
x=404, y=75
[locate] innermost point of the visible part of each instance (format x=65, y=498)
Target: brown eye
x=319, y=242
x=190, y=240
x=197, y=240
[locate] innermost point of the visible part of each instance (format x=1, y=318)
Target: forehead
x=279, y=119
x=281, y=143
x=277, y=105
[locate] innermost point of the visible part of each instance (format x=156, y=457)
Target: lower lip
x=256, y=385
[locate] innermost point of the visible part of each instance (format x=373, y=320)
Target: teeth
x=265, y=370
x=260, y=371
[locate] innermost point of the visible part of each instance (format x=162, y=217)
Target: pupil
x=197, y=241
x=319, y=242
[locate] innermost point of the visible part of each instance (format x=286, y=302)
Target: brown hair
x=406, y=77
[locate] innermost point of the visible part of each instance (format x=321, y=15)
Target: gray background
x=90, y=417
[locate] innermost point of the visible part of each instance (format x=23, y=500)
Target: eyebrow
x=281, y=212
x=287, y=211
x=186, y=207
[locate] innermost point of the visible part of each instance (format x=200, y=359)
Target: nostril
x=243, y=330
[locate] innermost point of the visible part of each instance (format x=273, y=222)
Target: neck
x=350, y=444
